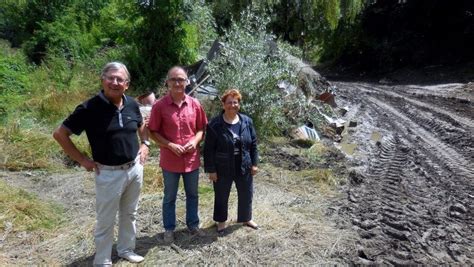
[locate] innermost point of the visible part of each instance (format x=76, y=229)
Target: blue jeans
x=171, y=181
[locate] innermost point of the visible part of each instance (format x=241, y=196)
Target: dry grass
x=321, y=176
x=28, y=148
x=152, y=178
x=23, y=211
x=289, y=206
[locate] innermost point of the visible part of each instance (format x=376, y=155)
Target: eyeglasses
x=112, y=79
x=235, y=102
x=177, y=80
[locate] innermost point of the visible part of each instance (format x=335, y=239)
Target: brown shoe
x=197, y=232
x=168, y=237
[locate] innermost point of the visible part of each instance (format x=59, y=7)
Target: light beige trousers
x=116, y=190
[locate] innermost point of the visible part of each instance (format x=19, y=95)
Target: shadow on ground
x=183, y=241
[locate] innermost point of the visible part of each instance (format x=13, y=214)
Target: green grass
x=324, y=178
x=25, y=148
x=33, y=101
x=24, y=211
x=316, y=152
x=29, y=147
x=205, y=189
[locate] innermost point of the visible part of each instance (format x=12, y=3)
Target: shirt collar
x=103, y=97
x=169, y=99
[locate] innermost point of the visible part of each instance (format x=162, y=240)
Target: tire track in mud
x=392, y=217
x=414, y=205
x=454, y=160
x=437, y=129
x=428, y=106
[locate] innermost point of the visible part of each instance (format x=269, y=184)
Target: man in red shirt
x=177, y=123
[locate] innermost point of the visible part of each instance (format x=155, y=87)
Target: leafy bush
x=64, y=36
x=246, y=63
x=19, y=20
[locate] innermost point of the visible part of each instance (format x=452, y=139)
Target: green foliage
x=164, y=38
x=314, y=24
x=149, y=37
x=19, y=19
x=351, y=9
x=66, y=36
x=25, y=212
x=12, y=22
x=246, y=63
x=116, y=23
x=14, y=80
x=224, y=11
x=395, y=34
x=200, y=18
x=31, y=99
x=13, y=70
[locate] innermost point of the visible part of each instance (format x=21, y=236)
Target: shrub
x=246, y=62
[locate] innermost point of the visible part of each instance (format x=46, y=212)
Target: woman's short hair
x=233, y=93
x=115, y=65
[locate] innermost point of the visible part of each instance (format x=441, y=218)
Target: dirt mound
x=291, y=156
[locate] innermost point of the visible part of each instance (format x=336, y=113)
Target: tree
x=164, y=38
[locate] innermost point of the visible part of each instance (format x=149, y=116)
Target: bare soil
x=408, y=196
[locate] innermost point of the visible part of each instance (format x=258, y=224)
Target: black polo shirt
x=112, y=133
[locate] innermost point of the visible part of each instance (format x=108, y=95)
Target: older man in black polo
x=111, y=121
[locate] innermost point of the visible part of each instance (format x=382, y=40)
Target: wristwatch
x=146, y=143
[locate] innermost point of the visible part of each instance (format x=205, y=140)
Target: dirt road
x=411, y=190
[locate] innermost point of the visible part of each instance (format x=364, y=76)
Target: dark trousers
x=222, y=187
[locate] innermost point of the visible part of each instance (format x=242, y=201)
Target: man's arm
x=62, y=136
x=143, y=133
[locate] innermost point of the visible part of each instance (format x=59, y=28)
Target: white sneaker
x=132, y=257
